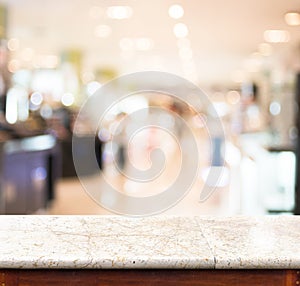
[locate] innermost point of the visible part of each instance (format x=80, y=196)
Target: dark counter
x=29, y=168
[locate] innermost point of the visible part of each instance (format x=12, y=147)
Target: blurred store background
x=54, y=54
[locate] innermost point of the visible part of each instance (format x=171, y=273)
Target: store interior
x=243, y=56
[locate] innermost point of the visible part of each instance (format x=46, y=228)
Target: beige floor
x=71, y=199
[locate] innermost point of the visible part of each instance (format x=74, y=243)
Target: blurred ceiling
x=222, y=33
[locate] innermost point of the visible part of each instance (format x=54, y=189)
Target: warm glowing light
x=276, y=36
x=102, y=31
x=13, y=44
x=180, y=30
x=67, y=99
x=119, y=12
x=176, y=11
x=292, y=18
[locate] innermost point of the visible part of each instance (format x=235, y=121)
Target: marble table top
x=151, y=242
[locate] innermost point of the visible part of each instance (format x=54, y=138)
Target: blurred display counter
x=81, y=149
x=29, y=169
x=268, y=175
x=161, y=250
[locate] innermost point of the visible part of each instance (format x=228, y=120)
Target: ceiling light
x=176, y=11
x=119, y=12
x=102, y=31
x=292, y=18
x=180, y=30
x=276, y=36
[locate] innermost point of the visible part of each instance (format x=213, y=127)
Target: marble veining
x=149, y=242
x=254, y=243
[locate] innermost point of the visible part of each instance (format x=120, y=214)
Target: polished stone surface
x=256, y=242
x=150, y=242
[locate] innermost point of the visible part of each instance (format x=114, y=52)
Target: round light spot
x=275, y=108
x=36, y=98
x=292, y=18
x=67, y=99
x=180, y=30
x=233, y=96
x=13, y=44
x=176, y=11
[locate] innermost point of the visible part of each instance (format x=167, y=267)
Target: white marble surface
x=256, y=242
x=151, y=242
